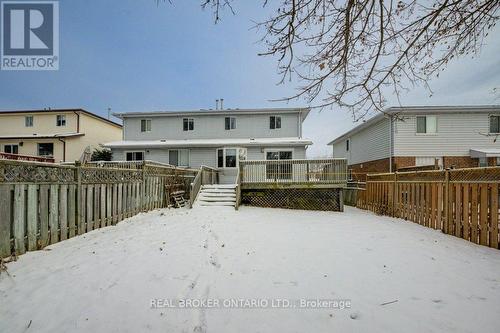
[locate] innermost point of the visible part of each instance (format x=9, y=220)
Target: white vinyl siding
x=209, y=127
x=372, y=143
x=456, y=134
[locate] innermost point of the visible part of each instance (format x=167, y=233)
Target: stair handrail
x=238, y=188
x=195, y=187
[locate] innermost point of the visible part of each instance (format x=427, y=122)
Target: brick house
x=422, y=137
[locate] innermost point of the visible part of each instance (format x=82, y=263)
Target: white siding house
x=214, y=138
x=450, y=136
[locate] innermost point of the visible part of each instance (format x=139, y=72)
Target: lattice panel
x=475, y=175
x=100, y=175
x=307, y=199
x=35, y=173
x=421, y=176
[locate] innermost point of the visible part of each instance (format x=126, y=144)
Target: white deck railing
x=304, y=171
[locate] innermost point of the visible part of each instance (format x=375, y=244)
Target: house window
x=229, y=123
x=28, y=121
x=61, y=120
x=231, y=158
x=426, y=124
x=228, y=157
x=274, y=122
x=188, y=124
x=145, y=125
x=495, y=124
x=279, y=170
x=135, y=156
x=347, y=143
x=178, y=157
x=498, y=161
x=483, y=162
x=46, y=149
x=11, y=149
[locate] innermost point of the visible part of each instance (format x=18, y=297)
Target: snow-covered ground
x=398, y=276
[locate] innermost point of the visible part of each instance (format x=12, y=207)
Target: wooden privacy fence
x=42, y=204
x=460, y=202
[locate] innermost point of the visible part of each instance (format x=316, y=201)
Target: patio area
x=390, y=276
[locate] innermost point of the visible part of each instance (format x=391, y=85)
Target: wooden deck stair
x=217, y=195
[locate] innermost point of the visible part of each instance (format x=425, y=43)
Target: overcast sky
x=135, y=56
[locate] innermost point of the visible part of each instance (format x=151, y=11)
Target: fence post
x=143, y=186
x=394, y=196
x=78, y=177
x=446, y=204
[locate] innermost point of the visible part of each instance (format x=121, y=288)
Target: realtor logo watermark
x=30, y=35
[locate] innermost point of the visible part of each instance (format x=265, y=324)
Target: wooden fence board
x=483, y=217
x=120, y=202
x=494, y=217
x=103, y=205
x=466, y=212
x=32, y=216
x=5, y=220
x=458, y=210
x=54, y=214
x=90, y=209
x=108, y=204
x=72, y=210
x=97, y=197
x=44, y=216
x=19, y=218
x=474, y=214
x=63, y=211
x=82, y=228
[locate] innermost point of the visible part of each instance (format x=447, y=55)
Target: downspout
x=64, y=148
x=391, y=142
x=77, y=121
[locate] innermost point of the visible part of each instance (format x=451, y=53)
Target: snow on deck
x=104, y=281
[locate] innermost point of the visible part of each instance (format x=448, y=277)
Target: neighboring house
x=214, y=138
x=61, y=134
x=445, y=136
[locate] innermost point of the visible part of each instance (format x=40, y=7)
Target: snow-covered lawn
x=105, y=280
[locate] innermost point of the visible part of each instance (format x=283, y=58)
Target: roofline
x=91, y=114
x=203, y=112
x=438, y=109
x=41, y=136
x=180, y=143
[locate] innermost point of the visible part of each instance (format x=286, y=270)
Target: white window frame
x=231, y=123
x=489, y=123
x=275, y=128
x=348, y=145
x=133, y=152
x=41, y=143
x=147, y=128
x=277, y=150
x=179, y=149
x=30, y=124
x=224, y=157
x=188, y=121
x=11, y=145
x=426, y=133
x=61, y=120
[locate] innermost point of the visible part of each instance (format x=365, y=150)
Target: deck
x=297, y=174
